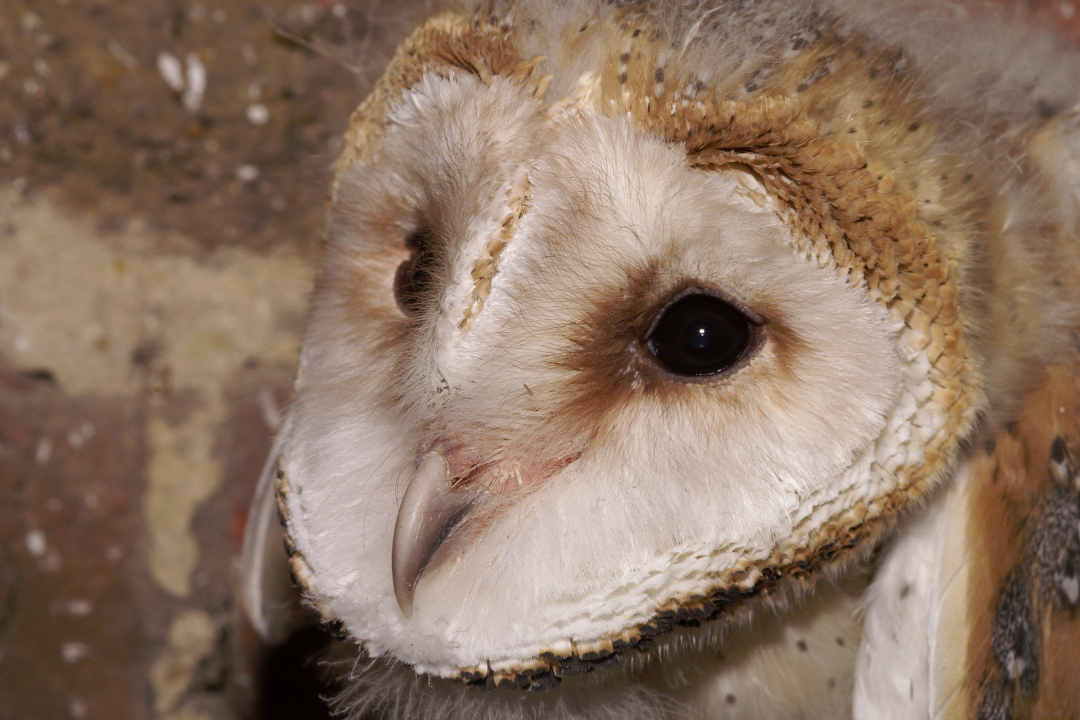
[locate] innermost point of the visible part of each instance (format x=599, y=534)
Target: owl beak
x=428, y=514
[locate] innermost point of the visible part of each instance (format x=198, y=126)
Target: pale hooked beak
x=428, y=514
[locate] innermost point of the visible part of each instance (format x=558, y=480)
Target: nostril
x=413, y=279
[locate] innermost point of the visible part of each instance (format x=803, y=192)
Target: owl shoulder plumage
x=973, y=612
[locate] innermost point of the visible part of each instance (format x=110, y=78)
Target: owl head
x=627, y=316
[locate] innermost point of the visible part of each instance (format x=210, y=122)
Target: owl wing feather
x=1023, y=545
x=973, y=612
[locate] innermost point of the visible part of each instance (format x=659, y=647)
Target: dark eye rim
x=758, y=334
x=414, y=276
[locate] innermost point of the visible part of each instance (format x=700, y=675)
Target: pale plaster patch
x=182, y=472
x=82, y=304
x=191, y=638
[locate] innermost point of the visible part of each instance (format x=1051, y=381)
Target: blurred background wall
x=163, y=176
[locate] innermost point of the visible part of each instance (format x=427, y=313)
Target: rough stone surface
x=156, y=252
x=156, y=246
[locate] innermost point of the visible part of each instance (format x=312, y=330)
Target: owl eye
x=414, y=276
x=699, y=334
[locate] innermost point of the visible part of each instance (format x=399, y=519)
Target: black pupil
x=699, y=334
x=414, y=276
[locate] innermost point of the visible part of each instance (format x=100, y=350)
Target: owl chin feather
x=669, y=358
x=727, y=669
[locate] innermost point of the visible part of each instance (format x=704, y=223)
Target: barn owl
x=701, y=359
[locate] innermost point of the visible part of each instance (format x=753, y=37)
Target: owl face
x=563, y=377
